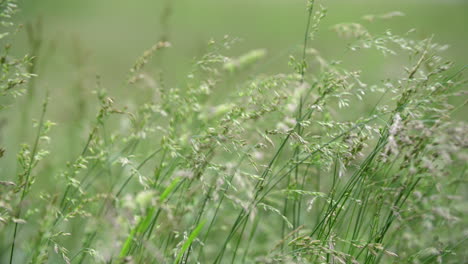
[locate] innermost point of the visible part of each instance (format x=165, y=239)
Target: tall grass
x=232, y=166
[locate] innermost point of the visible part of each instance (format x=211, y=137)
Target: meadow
x=233, y=132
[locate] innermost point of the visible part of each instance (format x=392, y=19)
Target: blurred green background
x=88, y=38
x=116, y=32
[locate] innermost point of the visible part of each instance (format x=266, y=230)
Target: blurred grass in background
x=115, y=32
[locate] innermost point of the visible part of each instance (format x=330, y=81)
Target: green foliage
x=14, y=72
x=313, y=165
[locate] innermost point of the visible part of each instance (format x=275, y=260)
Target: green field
x=248, y=131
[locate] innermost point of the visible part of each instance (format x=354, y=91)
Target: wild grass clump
x=313, y=165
